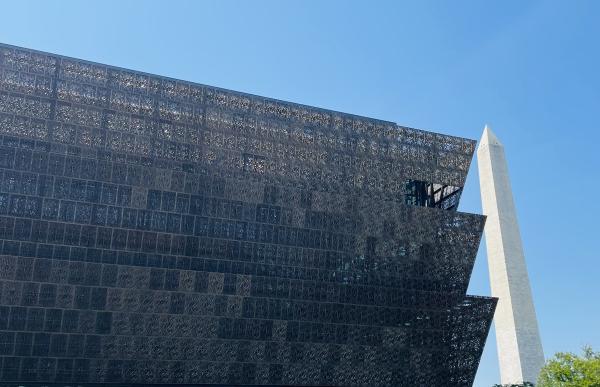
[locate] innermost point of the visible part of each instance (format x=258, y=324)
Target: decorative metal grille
x=155, y=231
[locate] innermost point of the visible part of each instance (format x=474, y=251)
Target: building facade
x=155, y=231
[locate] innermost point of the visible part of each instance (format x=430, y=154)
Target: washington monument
x=519, y=346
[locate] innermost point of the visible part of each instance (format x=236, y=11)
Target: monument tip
x=488, y=137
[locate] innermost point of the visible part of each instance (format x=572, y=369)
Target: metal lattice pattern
x=158, y=231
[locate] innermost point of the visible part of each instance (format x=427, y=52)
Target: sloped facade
x=155, y=231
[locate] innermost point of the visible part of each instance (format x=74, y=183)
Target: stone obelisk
x=519, y=346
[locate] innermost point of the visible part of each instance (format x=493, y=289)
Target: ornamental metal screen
x=155, y=231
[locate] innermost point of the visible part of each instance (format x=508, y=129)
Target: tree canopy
x=567, y=369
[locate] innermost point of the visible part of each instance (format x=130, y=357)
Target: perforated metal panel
x=155, y=231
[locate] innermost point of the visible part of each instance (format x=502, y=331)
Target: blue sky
x=530, y=69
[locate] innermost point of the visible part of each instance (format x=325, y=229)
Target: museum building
x=163, y=232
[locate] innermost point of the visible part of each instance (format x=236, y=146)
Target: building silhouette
x=156, y=231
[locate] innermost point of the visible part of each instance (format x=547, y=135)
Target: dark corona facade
x=155, y=231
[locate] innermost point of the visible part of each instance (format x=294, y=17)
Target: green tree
x=525, y=384
x=571, y=370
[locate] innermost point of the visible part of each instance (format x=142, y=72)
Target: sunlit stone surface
x=519, y=346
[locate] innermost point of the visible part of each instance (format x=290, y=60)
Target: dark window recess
x=424, y=194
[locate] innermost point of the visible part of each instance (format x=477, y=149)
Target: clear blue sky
x=530, y=69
